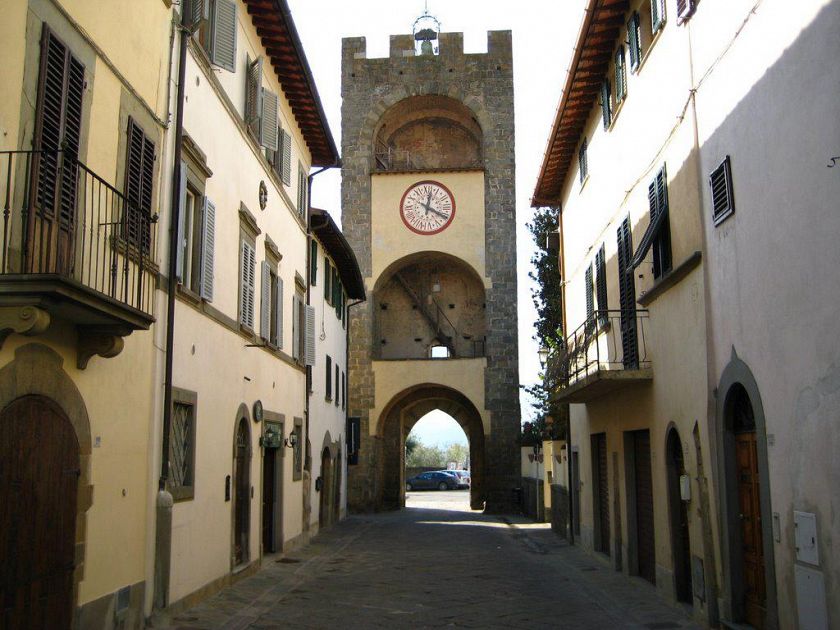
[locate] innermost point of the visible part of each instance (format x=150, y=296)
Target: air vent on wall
x=720, y=182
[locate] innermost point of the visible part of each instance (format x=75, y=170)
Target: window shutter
x=246, y=282
x=265, y=301
x=313, y=263
x=723, y=199
x=310, y=335
x=295, y=327
x=182, y=208
x=253, y=96
x=208, y=248
x=195, y=11
x=287, y=158
x=601, y=284
x=328, y=379
x=606, y=106
x=279, y=312
x=337, y=379
x=685, y=8
x=657, y=14
x=634, y=37
x=139, y=180
x=268, y=128
x=620, y=75
x=590, y=299
x=327, y=279
x=627, y=295
x=223, y=53
x=583, y=167
x=303, y=186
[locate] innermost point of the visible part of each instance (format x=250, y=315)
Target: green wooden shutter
x=657, y=14
x=327, y=280
x=634, y=37
x=606, y=105
x=223, y=51
x=601, y=284
x=590, y=298
x=583, y=167
x=268, y=120
x=620, y=75
x=139, y=181
x=313, y=263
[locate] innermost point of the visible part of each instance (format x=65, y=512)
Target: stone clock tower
x=428, y=204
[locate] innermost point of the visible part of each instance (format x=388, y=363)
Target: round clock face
x=427, y=207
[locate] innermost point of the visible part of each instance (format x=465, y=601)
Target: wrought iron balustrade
x=609, y=340
x=63, y=221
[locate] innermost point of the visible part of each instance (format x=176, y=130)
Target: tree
x=458, y=453
x=411, y=443
x=424, y=456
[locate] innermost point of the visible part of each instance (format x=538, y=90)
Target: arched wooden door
x=678, y=512
x=39, y=472
x=242, y=498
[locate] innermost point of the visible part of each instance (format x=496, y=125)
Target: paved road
x=436, y=564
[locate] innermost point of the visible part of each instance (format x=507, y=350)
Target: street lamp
x=543, y=354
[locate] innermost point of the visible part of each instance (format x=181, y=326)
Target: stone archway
x=396, y=422
x=38, y=371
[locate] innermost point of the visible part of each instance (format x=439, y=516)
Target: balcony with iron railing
x=74, y=249
x=605, y=353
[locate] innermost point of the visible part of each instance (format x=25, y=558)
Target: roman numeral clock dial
x=427, y=207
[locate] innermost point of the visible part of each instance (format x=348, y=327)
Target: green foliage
x=411, y=443
x=433, y=456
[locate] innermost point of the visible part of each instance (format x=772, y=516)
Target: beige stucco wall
x=392, y=240
x=463, y=375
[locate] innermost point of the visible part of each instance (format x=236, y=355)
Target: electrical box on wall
x=805, y=537
x=685, y=488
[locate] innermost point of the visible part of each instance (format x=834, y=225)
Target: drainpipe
x=163, y=531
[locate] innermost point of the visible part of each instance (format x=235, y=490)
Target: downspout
x=559, y=210
x=163, y=530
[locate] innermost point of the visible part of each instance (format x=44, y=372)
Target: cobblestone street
x=436, y=564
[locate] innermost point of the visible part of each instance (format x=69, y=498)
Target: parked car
x=463, y=477
x=435, y=480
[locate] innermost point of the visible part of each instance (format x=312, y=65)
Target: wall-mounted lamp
x=543, y=354
x=291, y=441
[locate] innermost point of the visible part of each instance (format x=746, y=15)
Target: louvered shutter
x=253, y=96
x=327, y=280
x=662, y=238
x=287, y=158
x=590, y=298
x=634, y=38
x=265, y=301
x=279, y=313
x=337, y=378
x=685, y=8
x=620, y=75
x=195, y=11
x=313, y=263
x=309, y=343
x=268, y=126
x=583, y=167
x=139, y=181
x=606, y=105
x=223, y=52
x=601, y=284
x=208, y=248
x=627, y=295
x=182, y=209
x=246, y=283
x=295, y=327
x=657, y=14
x=723, y=197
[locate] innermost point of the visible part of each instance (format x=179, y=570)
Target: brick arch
x=396, y=421
x=38, y=370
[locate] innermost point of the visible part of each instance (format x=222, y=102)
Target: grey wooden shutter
x=279, y=312
x=195, y=11
x=182, y=209
x=620, y=75
x=606, y=105
x=295, y=328
x=265, y=301
x=268, y=126
x=253, y=95
x=634, y=38
x=309, y=342
x=208, y=248
x=223, y=52
x=246, y=282
x=287, y=158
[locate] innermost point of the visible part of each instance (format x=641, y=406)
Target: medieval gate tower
x=428, y=204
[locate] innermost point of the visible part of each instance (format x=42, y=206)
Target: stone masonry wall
x=484, y=83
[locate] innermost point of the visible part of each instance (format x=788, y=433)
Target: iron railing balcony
x=73, y=248
x=607, y=352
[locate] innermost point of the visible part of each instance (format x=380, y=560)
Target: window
x=216, y=20
x=247, y=271
x=685, y=8
x=303, y=190
x=313, y=263
x=260, y=107
x=190, y=243
x=658, y=200
x=601, y=285
x=590, y=299
x=139, y=181
x=583, y=166
x=723, y=201
x=303, y=329
x=271, y=304
x=181, y=479
x=337, y=385
x=657, y=15
x=58, y=126
x=297, y=451
x=328, y=380
x=620, y=75
x=606, y=103
x=634, y=38
x=327, y=281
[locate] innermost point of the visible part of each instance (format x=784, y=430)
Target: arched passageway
x=396, y=422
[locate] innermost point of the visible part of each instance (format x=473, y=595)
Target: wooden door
x=678, y=509
x=268, y=499
x=39, y=473
x=242, y=498
x=645, y=545
x=575, y=488
x=752, y=551
x=602, y=493
x=326, y=486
